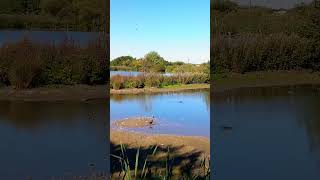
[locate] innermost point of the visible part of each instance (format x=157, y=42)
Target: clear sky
x=176, y=29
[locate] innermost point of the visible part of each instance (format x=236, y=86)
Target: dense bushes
x=254, y=52
x=74, y=15
x=27, y=64
x=157, y=80
x=263, y=39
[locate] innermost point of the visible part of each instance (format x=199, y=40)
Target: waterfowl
x=151, y=122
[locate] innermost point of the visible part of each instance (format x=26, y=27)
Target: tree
x=154, y=62
x=122, y=61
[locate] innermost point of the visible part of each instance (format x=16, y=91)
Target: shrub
x=152, y=80
x=28, y=64
x=117, y=82
x=255, y=52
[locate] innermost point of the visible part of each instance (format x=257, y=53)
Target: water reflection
x=184, y=113
x=51, y=139
x=81, y=38
x=274, y=130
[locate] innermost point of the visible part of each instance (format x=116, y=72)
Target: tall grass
x=134, y=171
x=157, y=80
x=257, y=52
x=27, y=64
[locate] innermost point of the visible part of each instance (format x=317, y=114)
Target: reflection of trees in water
x=146, y=103
x=206, y=98
x=305, y=102
x=146, y=100
x=35, y=115
x=310, y=116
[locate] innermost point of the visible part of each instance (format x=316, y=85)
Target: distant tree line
x=77, y=15
x=153, y=62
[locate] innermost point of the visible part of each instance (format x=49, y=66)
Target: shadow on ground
x=175, y=163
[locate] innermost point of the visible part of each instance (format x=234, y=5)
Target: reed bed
x=157, y=80
x=27, y=64
x=258, y=52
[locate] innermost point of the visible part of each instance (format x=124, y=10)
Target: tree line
x=153, y=62
x=77, y=15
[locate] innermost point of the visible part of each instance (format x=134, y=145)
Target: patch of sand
x=185, y=143
x=135, y=122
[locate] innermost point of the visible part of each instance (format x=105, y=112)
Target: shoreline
x=233, y=81
x=187, y=144
x=77, y=93
x=179, y=88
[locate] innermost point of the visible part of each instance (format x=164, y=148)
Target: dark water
x=183, y=113
x=275, y=134
x=81, y=38
x=276, y=4
x=51, y=139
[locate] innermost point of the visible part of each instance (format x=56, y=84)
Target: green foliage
x=223, y=5
x=77, y=15
x=122, y=61
x=153, y=62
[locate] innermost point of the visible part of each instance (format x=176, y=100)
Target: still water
x=183, y=113
x=275, y=133
x=125, y=73
x=52, y=139
x=81, y=38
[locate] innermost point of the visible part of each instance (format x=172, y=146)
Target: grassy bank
x=173, y=88
x=227, y=81
x=27, y=64
x=55, y=93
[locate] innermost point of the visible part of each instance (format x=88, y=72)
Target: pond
x=275, y=133
x=125, y=73
x=42, y=140
x=182, y=113
x=81, y=38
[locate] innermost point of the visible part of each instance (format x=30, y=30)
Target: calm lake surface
x=81, y=38
x=183, y=113
x=52, y=139
x=275, y=133
x=125, y=73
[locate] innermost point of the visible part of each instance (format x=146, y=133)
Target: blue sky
x=176, y=29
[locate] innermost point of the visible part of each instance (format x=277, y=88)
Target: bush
x=255, y=52
x=153, y=80
x=117, y=82
x=27, y=64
